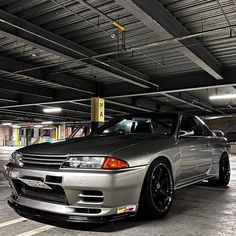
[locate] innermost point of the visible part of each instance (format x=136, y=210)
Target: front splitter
x=35, y=214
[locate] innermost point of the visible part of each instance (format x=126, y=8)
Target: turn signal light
x=112, y=163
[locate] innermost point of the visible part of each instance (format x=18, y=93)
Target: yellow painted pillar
x=56, y=133
x=17, y=137
x=97, y=112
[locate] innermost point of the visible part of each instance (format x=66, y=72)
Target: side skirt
x=195, y=180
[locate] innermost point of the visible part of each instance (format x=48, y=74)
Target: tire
x=158, y=190
x=224, y=172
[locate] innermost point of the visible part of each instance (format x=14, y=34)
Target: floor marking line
x=36, y=231
x=11, y=222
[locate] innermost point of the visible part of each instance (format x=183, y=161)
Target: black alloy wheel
x=158, y=190
x=224, y=172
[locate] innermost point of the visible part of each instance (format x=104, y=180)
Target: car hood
x=97, y=145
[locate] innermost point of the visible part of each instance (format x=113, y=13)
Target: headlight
x=83, y=162
x=90, y=162
x=16, y=158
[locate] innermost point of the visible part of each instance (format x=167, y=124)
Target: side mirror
x=183, y=133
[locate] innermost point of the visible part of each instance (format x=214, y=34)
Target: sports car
x=131, y=165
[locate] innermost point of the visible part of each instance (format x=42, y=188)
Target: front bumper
x=120, y=190
x=55, y=218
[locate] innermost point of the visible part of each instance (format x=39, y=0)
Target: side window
x=164, y=125
x=205, y=127
x=189, y=124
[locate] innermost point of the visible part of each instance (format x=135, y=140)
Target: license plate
x=35, y=183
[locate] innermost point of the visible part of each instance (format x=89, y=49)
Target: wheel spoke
x=164, y=181
x=160, y=173
x=163, y=193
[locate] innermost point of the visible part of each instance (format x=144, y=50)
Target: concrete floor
x=197, y=210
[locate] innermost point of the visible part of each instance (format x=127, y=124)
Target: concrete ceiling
x=172, y=56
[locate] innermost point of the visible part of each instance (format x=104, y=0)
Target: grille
x=54, y=195
x=91, y=196
x=53, y=161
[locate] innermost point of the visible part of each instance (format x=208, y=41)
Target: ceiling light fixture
x=6, y=124
x=47, y=122
x=52, y=110
x=38, y=126
x=222, y=96
x=113, y=36
x=16, y=126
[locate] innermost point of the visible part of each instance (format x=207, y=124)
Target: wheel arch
x=169, y=161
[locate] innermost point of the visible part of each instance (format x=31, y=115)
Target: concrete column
x=2, y=136
x=36, y=133
x=15, y=136
x=97, y=112
x=28, y=137
x=61, y=131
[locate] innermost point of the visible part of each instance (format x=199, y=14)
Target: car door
x=195, y=149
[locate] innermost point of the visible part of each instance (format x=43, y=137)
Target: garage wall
x=220, y=124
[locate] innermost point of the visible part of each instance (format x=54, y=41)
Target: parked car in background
x=131, y=164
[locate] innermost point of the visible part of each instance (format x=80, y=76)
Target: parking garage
x=67, y=67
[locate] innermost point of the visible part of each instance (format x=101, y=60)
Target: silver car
x=132, y=164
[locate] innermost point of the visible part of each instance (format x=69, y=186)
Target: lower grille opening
x=54, y=195
x=53, y=179
x=88, y=210
x=91, y=199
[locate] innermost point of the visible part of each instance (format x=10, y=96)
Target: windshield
x=158, y=124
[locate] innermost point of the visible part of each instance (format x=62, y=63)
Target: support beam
x=26, y=32
x=176, y=83
x=128, y=106
x=153, y=14
x=88, y=106
x=68, y=82
x=186, y=102
x=20, y=88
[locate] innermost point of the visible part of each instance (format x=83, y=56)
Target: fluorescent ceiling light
x=38, y=126
x=6, y=124
x=47, y=122
x=52, y=110
x=222, y=96
x=16, y=126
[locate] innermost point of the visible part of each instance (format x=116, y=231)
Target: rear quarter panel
x=219, y=145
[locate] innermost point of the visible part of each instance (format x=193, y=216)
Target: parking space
x=197, y=210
